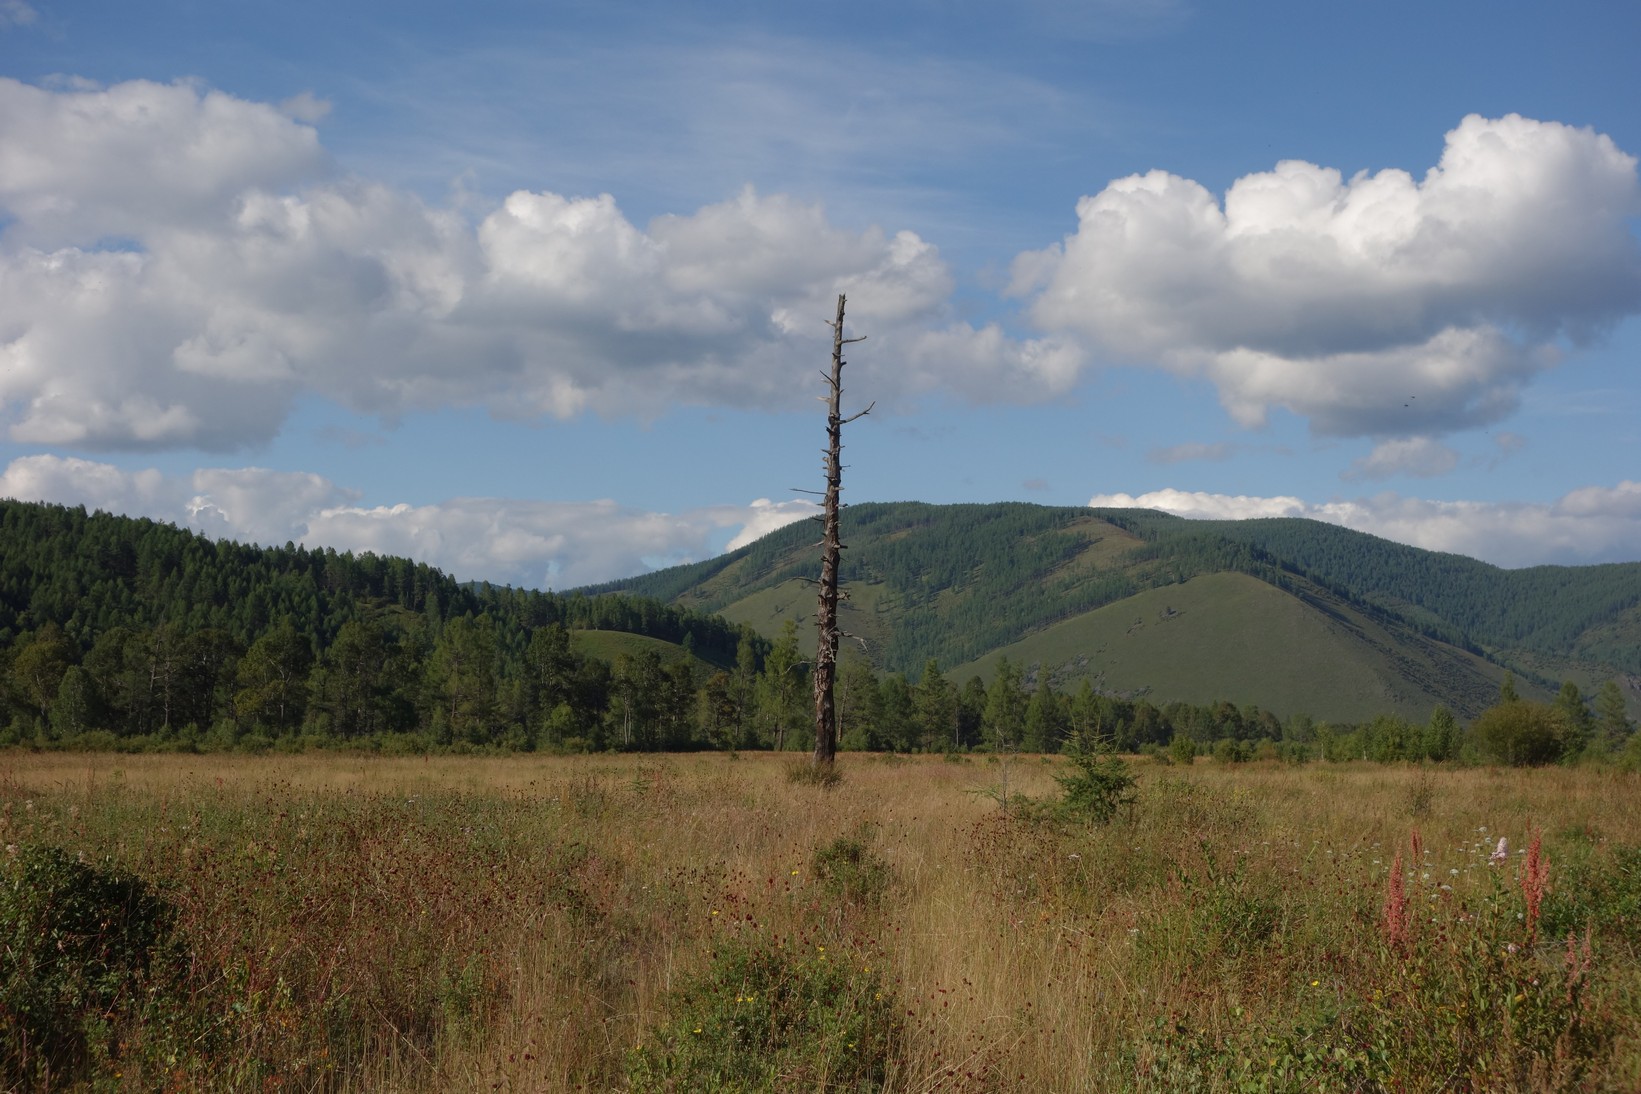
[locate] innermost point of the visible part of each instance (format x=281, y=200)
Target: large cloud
x=80, y=165
x=1591, y=524
x=177, y=265
x=1379, y=305
x=519, y=542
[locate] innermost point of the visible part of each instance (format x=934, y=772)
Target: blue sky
x=537, y=292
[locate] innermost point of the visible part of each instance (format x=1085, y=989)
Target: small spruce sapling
x=1100, y=783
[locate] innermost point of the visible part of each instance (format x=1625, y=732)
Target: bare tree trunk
x=826, y=618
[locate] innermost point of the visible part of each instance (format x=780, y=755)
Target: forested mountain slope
x=132, y=634
x=88, y=573
x=957, y=583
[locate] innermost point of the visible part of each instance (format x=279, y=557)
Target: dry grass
x=526, y=923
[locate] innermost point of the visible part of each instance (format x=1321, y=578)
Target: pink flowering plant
x=1468, y=989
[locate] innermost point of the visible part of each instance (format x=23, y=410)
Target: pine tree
x=936, y=702
x=1577, y=724
x=1614, y=722
x=1005, y=717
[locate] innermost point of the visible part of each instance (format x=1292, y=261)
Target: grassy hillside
x=1300, y=615
x=1561, y=614
x=1232, y=636
x=609, y=645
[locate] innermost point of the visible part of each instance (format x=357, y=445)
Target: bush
x=80, y=942
x=766, y=1015
x=1519, y=733
x=1182, y=750
x=852, y=871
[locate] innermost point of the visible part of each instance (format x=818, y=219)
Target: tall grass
x=704, y=922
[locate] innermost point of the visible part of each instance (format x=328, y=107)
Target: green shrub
x=1519, y=733
x=79, y=943
x=851, y=871
x=1182, y=750
x=772, y=1016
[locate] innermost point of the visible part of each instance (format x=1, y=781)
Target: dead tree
x=826, y=619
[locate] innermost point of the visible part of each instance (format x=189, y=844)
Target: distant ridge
x=1377, y=626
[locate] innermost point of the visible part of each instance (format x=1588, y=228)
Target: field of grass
x=704, y=922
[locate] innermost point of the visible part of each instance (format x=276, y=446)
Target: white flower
x=1500, y=854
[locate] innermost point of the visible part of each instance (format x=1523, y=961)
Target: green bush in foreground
x=79, y=943
x=767, y=1015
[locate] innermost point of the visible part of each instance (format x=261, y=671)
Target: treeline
x=142, y=630
x=400, y=682
x=124, y=633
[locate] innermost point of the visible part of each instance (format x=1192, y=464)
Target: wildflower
x=1417, y=844
x=1535, y=882
x=1578, y=962
x=1501, y=854
x=1396, y=921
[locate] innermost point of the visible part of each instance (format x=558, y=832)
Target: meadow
x=688, y=922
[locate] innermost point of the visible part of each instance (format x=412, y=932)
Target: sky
x=538, y=293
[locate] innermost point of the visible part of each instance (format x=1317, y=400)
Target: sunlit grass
x=544, y=922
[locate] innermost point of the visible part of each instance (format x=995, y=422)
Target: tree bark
x=826, y=618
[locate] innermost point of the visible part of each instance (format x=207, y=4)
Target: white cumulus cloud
x=1378, y=305
x=177, y=265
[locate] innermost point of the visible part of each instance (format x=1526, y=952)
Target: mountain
x=1295, y=615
